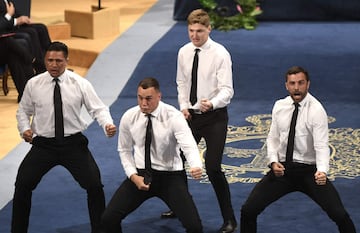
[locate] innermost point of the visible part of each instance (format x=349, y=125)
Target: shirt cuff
x=8, y=17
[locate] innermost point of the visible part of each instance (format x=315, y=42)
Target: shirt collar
x=156, y=112
x=305, y=100
x=61, y=78
x=206, y=45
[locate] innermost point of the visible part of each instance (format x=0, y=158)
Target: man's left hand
x=320, y=178
x=23, y=20
x=205, y=105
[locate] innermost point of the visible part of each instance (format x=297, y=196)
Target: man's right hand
x=278, y=169
x=186, y=114
x=10, y=9
x=28, y=135
x=139, y=182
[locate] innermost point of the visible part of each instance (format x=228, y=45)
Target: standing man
x=298, y=154
x=205, y=88
x=57, y=141
x=150, y=137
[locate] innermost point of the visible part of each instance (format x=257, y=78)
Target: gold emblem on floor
x=247, y=165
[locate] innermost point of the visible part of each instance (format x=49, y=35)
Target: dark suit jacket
x=35, y=36
x=6, y=26
x=13, y=53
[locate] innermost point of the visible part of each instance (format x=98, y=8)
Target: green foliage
x=247, y=10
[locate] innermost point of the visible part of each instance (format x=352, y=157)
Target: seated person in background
x=18, y=59
x=15, y=55
x=35, y=34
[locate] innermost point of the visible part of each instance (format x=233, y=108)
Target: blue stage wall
x=317, y=10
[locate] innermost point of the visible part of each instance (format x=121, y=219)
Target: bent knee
x=339, y=216
x=26, y=184
x=249, y=211
x=110, y=222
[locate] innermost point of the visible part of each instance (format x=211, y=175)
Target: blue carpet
x=331, y=53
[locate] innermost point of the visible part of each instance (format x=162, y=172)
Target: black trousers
x=45, y=154
x=170, y=187
x=18, y=58
x=212, y=126
x=300, y=178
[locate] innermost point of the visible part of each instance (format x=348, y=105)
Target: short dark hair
x=296, y=70
x=60, y=47
x=149, y=82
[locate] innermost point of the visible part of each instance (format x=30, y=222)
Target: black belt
x=66, y=137
x=157, y=172
x=295, y=167
x=198, y=112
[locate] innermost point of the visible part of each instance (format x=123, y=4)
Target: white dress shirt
x=214, y=75
x=36, y=108
x=311, y=133
x=170, y=133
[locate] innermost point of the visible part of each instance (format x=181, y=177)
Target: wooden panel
x=99, y=23
x=59, y=31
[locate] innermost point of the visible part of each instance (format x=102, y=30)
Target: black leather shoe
x=229, y=226
x=168, y=214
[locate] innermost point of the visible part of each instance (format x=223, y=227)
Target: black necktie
x=290, y=145
x=148, y=136
x=59, y=120
x=194, y=73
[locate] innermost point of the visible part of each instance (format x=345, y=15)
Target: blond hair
x=199, y=16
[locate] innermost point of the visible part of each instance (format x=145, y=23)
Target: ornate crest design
x=245, y=161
